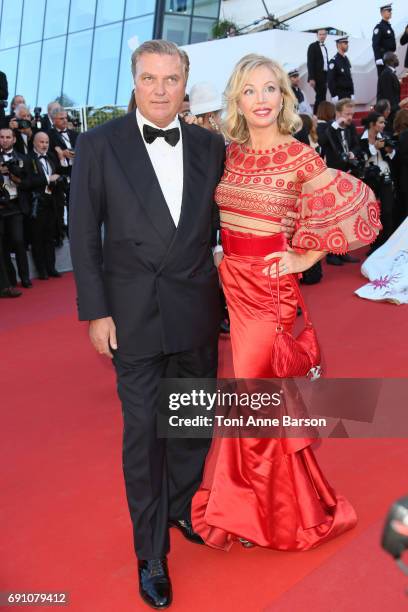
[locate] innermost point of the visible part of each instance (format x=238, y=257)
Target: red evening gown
x=272, y=492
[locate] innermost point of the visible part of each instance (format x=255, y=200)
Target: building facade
x=80, y=49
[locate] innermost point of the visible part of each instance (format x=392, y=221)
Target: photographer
x=15, y=101
x=16, y=175
x=401, y=164
x=47, y=184
x=342, y=150
x=378, y=153
x=21, y=123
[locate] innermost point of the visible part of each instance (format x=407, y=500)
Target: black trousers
x=12, y=228
x=321, y=92
x=43, y=234
x=385, y=195
x=161, y=475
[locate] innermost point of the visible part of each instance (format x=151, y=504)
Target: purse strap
x=299, y=296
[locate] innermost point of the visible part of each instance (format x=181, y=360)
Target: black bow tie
x=42, y=157
x=170, y=136
x=63, y=132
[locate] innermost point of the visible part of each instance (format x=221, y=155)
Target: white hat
x=204, y=98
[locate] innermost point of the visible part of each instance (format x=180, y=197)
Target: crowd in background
x=37, y=152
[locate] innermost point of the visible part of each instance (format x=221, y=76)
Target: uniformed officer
x=383, y=37
x=339, y=77
x=303, y=105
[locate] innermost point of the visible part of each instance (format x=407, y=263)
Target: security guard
x=339, y=77
x=383, y=37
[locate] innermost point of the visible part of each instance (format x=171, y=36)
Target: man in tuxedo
x=16, y=179
x=21, y=123
x=342, y=146
x=151, y=291
x=46, y=186
x=46, y=120
x=317, y=67
x=62, y=142
x=389, y=86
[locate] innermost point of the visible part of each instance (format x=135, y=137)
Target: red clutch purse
x=294, y=357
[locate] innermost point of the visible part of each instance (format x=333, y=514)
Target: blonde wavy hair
x=234, y=125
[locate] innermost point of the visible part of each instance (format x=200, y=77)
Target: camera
x=389, y=142
x=14, y=166
x=355, y=165
x=37, y=116
x=23, y=124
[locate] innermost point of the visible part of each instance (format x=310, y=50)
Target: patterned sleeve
x=339, y=213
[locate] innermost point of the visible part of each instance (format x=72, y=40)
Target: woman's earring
x=240, y=112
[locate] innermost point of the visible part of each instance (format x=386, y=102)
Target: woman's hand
x=291, y=262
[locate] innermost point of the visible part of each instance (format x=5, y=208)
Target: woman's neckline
x=271, y=150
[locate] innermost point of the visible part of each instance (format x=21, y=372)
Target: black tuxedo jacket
x=56, y=140
x=404, y=41
x=39, y=180
x=331, y=142
x=25, y=186
x=158, y=282
x=315, y=63
x=389, y=88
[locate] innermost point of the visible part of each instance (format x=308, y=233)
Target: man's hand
x=102, y=333
x=68, y=154
x=3, y=169
x=15, y=179
x=54, y=177
x=288, y=223
x=312, y=83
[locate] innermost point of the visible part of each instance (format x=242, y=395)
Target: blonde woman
x=271, y=492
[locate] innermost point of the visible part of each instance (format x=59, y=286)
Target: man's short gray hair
x=57, y=111
x=161, y=47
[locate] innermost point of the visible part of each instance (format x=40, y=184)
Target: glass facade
x=80, y=49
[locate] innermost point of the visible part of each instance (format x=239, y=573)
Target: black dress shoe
x=349, y=258
x=334, y=260
x=154, y=583
x=55, y=274
x=186, y=529
x=26, y=283
x=10, y=292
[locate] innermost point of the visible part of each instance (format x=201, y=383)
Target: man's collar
x=141, y=121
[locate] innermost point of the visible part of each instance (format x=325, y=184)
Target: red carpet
x=65, y=524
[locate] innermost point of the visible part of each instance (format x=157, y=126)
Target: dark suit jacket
x=389, y=88
x=331, y=143
x=56, y=140
x=25, y=186
x=315, y=64
x=158, y=283
x=404, y=41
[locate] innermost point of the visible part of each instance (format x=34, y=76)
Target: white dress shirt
x=323, y=49
x=167, y=162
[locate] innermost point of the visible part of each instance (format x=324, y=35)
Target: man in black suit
x=62, y=142
x=389, y=87
x=46, y=187
x=341, y=144
x=16, y=178
x=151, y=291
x=317, y=67
x=23, y=129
